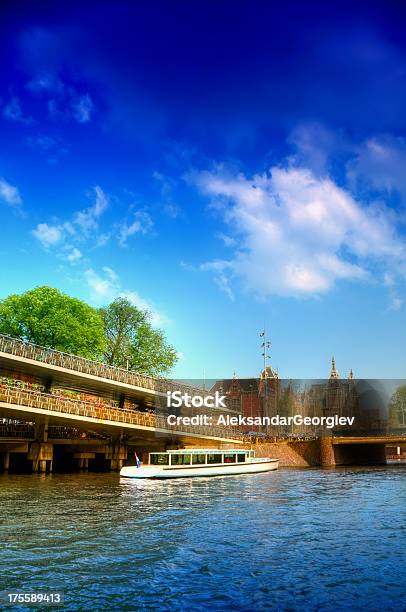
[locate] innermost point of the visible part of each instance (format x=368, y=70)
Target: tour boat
x=200, y=462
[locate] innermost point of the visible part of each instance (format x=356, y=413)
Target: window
x=213, y=458
x=241, y=458
x=235, y=404
x=159, y=459
x=198, y=459
x=229, y=458
x=180, y=459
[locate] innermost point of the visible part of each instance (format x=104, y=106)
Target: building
x=251, y=397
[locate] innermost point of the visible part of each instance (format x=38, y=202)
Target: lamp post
x=265, y=345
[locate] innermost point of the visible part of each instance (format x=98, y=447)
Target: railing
x=58, y=432
x=16, y=430
x=28, y=350
x=45, y=401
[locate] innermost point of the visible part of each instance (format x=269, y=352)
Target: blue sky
x=227, y=165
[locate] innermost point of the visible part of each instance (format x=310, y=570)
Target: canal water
x=287, y=540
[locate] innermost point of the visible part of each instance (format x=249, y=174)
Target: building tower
x=333, y=373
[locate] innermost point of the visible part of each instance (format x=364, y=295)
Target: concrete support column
x=41, y=432
x=83, y=459
x=116, y=465
x=41, y=454
x=116, y=453
x=327, y=455
x=6, y=461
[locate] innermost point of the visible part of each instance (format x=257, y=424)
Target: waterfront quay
x=59, y=412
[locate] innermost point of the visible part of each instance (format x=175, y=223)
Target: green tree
x=132, y=341
x=397, y=407
x=48, y=317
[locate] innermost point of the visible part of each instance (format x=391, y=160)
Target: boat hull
x=226, y=469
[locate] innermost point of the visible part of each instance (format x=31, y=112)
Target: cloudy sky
x=224, y=164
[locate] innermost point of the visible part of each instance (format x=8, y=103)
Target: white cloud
x=167, y=185
x=298, y=234
x=82, y=108
x=107, y=286
x=141, y=224
x=219, y=267
x=48, y=235
x=103, y=239
x=156, y=318
x=103, y=288
x=63, y=100
x=9, y=194
x=46, y=82
x=228, y=240
x=379, y=163
x=13, y=111
x=172, y=210
x=87, y=219
x=396, y=303
x=74, y=255
x=83, y=225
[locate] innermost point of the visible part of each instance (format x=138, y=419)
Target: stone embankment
x=303, y=453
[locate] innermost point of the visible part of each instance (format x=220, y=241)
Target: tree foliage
x=132, y=341
x=119, y=334
x=48, y=317
x=397, y=407
x=121, y=321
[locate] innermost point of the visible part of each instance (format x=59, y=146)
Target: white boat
x=200, y=462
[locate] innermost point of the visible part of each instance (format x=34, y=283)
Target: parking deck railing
x=29, y=350
x=103, y=413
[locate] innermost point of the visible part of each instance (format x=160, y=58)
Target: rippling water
x=286, y=540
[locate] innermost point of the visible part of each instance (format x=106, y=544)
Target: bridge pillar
x=83, y=459
x=41, y=454
x=327, y=455
x=116, y=453
x=6, y=461
x=41, y=432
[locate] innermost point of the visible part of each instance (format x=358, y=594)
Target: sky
x=227, y=165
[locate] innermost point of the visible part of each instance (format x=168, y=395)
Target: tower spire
x=333, y=372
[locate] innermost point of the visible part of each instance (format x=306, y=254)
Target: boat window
x=241, y=457
x=229, y=458
x=198, y=459
x=213, y=458
x=180, y=459
x=159, y=459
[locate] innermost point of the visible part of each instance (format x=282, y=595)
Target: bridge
x=105, y=415
x=357, y=450
x=47, y=427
